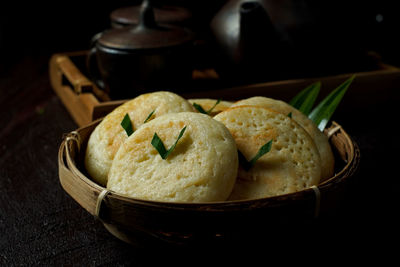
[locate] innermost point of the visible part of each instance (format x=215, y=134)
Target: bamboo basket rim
x=67, y=166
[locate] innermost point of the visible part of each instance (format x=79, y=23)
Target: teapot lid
x=164, y=14
x=147, y=34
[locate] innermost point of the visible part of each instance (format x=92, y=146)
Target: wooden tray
x=86, y=102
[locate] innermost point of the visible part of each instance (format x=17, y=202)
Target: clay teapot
x=265, y=39
x=128, y=61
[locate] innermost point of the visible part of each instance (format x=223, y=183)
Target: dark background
x=41, y=225
x=35, y=29
x=30, y=28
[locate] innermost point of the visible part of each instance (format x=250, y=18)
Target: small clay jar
x=149, y=56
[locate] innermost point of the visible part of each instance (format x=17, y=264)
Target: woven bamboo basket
x=143, y=222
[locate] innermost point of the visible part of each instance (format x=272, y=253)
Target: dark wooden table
x=41, y=225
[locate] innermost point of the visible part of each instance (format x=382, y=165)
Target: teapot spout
x=253, y=16
x=257, y=34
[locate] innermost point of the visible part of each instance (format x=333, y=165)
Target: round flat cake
x=107, y=137
x=324, y=148
x=292, y=164
x=202, y=167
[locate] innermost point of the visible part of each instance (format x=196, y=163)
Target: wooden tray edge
x=86, y=103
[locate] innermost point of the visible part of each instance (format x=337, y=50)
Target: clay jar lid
x=147, y=34
x=126, y=16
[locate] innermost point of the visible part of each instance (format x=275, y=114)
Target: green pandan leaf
x=322, y=113
x=159, y=145
x=211, y=109
x=127, y=124
x=201, y=109
x=304, y=101
x=261, y=152
x=149, y=116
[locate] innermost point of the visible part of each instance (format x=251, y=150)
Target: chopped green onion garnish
x=305, y=100
x=324, y=111
x=261, y=152
x=149, y=116
x=127, y=124
x=159, y=145
x=289, y=115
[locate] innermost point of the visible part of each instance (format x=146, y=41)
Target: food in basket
x=320, y=139
x=202, y=167
x=281, y=149
x=292, y=164
x=106, y=139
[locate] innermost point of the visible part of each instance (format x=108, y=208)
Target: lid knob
x=147, y=19
x=146, y=34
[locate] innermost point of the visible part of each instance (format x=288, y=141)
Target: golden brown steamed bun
x=320, y=139
x=208, y=103
x=292, y=164
x=107, y=137
x=202, y=168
